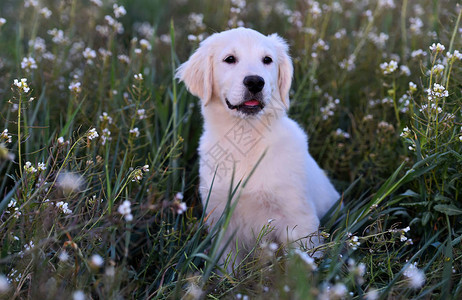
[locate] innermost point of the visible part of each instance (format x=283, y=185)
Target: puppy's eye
x=267, y=60
x=230, y=59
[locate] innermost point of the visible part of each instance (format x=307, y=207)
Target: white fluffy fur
x=288, y=186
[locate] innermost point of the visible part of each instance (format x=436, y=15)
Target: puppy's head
x=240, y=69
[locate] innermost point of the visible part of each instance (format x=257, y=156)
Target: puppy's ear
x=286, y=69
x=197, y=73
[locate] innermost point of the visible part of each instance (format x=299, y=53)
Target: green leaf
x=448, y=209
x=426, y=217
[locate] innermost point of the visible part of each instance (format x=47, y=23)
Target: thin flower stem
x=394, y=102
x=19, y=135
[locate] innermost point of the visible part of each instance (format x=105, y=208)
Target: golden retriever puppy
x=243, y=79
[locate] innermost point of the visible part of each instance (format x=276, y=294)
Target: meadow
x=99, y=169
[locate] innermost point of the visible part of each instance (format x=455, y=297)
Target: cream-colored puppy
x=243, y=79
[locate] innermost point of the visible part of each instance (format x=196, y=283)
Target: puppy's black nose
x=254, y=83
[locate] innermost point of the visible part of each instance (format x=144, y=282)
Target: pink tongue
x=251, y=103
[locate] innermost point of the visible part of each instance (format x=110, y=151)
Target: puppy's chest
x=238, y=150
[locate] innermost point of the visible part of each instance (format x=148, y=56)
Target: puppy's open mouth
x=248, y=107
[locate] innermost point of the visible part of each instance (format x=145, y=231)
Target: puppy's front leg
x=300, y=229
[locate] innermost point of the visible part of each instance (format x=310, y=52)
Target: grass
x=392, y=148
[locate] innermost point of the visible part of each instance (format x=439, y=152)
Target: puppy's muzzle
x=253, y=102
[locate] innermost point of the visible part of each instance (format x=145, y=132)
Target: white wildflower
x=196, y=21
x=29, y=246
x=137, y=175
x=105, y=118
x=41, y=166
x=22, y=85
x=320, y=45
x=339, y=290
x=48, y=56
x=64, y=207
x=105, y=136
x=438, y=91
x=180, y=207
x=119, y=11
x=123, y=58
x=78, y=295
x=437, y=69
x=145, y=44
x=354, y=242
x=138, y=77
x=38, y=44
x=117, y=26
x=31, y=3
x=329, y=110
x=315, y=10
x=145, y=168
x=340, y=34
x=98, y=3
x=418, y=53
x=45, y=12
x=341, y=133
x=455, y=55
x=405, y=70
x=96, y=260
x=388, y=68
x=135, y=131
x=89, y=54
x=125, y=210
x=109, y=271
x=179, y=196
x=63, y=256
x=104, y=53
x=437, y=47
x=385, y=126
x=28, y=63
x=141, y=113
x=416, y=25
x=165, y=38
x=2, y=21
x=349, y=63
x=92, y=134
x=57, y=36
x=12, y=205
x=75, y=87
x=406, y=132
x=29, y=168
x=4, y=135
x=380, y=40
x=386, y=4
x=102, y=30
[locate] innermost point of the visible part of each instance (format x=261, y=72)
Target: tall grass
x=98, y=166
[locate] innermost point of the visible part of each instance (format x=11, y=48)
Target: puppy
x=243, y=79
